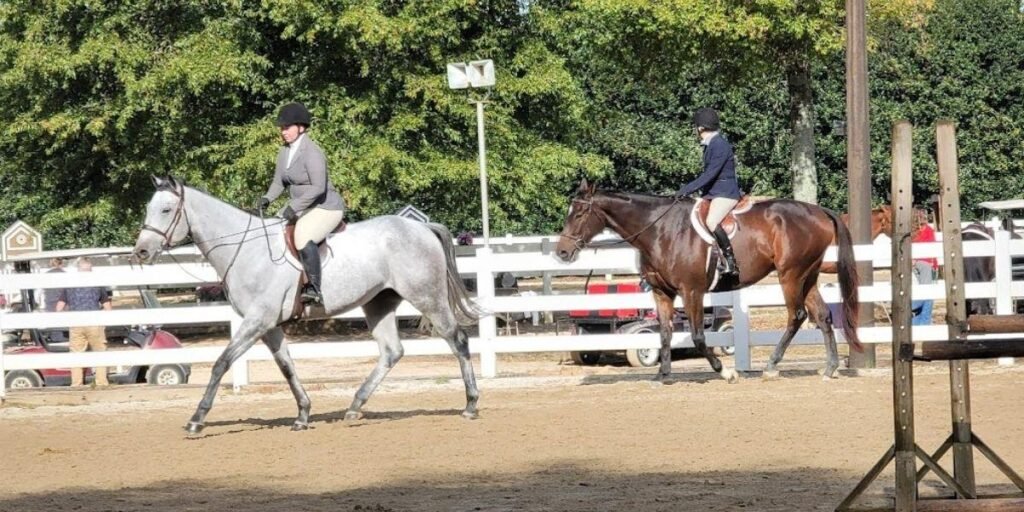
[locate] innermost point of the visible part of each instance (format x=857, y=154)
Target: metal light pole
x=482, y=143
x=477, y=74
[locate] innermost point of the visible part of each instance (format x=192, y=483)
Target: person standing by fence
x=50, y=297
x=925, y=269
x=91, y=298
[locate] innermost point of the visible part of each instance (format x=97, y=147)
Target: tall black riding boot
x=310, y=257
x=726, y=247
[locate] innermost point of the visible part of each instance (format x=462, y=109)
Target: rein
x=180, y=213
x=581, y=244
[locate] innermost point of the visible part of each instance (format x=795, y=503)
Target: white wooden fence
x=484, y=265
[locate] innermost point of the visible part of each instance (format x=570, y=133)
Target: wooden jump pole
x=904, y=450
x=956, y=310
x=902, y=281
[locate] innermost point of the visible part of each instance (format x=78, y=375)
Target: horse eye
x=165, y=210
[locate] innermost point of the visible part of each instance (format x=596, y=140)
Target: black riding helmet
x=707, y=118
x=294, y=113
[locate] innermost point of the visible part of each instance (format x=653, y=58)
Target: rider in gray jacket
x=314, y=205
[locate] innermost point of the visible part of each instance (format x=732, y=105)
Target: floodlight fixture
x=475, y=74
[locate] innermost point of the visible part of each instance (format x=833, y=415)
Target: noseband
x=179, y=213
x=577, y=241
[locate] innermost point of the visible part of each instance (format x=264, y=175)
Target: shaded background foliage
x=95, y=96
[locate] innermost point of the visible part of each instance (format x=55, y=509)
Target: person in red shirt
x=925, y=269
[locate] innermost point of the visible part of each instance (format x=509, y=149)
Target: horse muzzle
x=567, y=255
x=144, y=255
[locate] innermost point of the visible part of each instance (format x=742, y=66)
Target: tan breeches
x=93, y=338
x=719, y=208
x=315, y=225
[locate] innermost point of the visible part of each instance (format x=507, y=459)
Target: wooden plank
x=998, y=462
x=902, y=281
x=868, y=479
x=956, y=312
x=942, y=474
x=980, y=505
x=937, y=456
x=995, y=324
x=954, y=350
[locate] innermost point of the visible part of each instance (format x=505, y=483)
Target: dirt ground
x=551, y=437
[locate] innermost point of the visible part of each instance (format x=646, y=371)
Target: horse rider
x=718, y=181
x=314, y=205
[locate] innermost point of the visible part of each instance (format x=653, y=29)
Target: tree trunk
x=801, y=119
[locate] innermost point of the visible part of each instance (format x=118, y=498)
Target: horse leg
x=445, y=323
x=274, y=340
x=822, y=317
x=247, y=334
x=694, y=303
x=380, y=316
x=793, y=290
x=665, y=307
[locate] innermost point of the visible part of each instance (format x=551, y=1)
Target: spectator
x=925, y=269
x=50, y=298
x=52, y=295
x=94, y=338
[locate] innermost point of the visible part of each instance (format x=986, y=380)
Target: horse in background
x=781, y=235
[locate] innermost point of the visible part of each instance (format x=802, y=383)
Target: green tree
x=96, y=96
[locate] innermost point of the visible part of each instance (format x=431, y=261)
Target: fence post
x=488, y=325
x=545, y=248
x=741, y=330
x=239, y=370
x=1004, y=277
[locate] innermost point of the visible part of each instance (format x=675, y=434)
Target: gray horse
x=373, y=264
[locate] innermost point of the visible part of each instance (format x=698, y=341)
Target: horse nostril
x=563, y=254
x=142, y=253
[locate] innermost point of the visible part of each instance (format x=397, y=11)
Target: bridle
x=581, y=244
x=578, y=242
x=179, y=213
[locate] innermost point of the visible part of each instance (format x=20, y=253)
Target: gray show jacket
x=308, y=183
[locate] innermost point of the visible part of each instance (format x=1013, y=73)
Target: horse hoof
x=193, y=428
x=730, y=375
x=353, y=416
x=829, y=376
x=297, y=427
x=770, y=374
x=663, y=378
x=470, y=415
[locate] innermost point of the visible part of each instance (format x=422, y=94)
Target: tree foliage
x=95, y=96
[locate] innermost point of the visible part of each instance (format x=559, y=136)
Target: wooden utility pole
x=858, y=158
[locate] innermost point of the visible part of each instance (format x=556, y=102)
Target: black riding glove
x=262, y=203
x=288, y=214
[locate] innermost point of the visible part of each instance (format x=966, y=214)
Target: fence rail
x=484, y=265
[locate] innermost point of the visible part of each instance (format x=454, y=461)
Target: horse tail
x=466, y=311
x=848, y=281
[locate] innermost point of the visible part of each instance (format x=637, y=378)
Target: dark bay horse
x=783, y=235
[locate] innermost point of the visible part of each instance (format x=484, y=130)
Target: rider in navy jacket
x=718, y=182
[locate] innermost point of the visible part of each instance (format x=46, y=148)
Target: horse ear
x=586, y=189
x=157, y=182
x=584, y=186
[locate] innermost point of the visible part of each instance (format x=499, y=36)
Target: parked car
x=157, y=339
x=637, y=321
